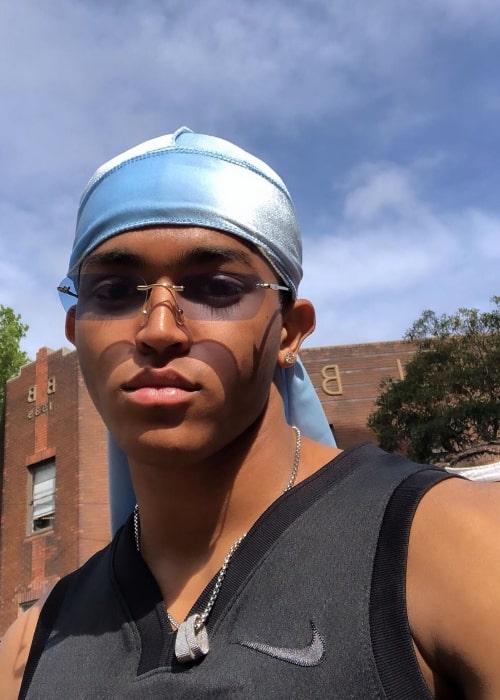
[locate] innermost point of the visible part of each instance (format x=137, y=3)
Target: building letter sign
x=331, y=383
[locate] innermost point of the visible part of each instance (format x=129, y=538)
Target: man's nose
x=162, y=319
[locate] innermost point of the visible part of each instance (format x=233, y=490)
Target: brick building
x=347, y=379
x=53, y=502
x=53, y=505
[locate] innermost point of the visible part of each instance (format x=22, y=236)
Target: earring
x=289, y=357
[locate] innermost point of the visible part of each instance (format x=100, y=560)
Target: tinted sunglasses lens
x=220, y=296
x=215, y=296
x=107, y=296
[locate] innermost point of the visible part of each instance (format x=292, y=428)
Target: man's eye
x=112, y=289
x=215, y=290
x=105, y=291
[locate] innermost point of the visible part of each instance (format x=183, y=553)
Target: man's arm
x=453, y=588
x=15, y=648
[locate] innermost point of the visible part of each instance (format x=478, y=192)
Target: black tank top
x=312, y=604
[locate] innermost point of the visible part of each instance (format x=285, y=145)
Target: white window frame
x=43, y=496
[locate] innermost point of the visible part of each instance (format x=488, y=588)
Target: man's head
x=179, y=331
x=191, y=179
x=159, y=218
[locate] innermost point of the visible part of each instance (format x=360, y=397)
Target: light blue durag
x=197, y=180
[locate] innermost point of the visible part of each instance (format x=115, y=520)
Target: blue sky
x=383, y=118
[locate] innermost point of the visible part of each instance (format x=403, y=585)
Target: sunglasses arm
x=66, y=290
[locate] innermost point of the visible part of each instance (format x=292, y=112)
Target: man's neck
x=189, y=507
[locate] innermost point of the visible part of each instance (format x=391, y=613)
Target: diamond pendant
x=191, y=642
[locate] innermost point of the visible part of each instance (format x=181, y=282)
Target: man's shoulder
x=452, y=585
x=17, y=641
x=15, y=648
x=387, y=470
x=459, y=511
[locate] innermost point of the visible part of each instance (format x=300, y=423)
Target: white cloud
x=384, y=189
x=91, y=69
x=81, y=81
x=391, y=256
x=481, y=233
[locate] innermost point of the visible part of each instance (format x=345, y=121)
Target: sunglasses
x=212, y=296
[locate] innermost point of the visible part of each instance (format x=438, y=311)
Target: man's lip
x=158, y=379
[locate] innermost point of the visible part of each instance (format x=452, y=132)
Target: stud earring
x=289, y=357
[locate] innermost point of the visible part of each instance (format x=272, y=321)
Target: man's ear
x=70, y=325
x=299, y=321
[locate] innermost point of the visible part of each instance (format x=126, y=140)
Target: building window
x=43, y=495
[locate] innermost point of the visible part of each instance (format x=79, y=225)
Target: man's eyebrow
x=215, y=254
x=195, y=256
x=115, y=257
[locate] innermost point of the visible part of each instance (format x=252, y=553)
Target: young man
x=258, y=563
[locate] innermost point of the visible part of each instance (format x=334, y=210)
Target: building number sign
x=40, y=409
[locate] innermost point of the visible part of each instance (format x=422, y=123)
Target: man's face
x=162, y=379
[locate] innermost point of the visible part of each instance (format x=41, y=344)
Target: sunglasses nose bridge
x=170, y=288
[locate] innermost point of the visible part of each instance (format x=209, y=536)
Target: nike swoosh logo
x=310, y=655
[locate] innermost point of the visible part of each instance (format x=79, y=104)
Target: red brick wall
x=360, y=369
x=59, y=421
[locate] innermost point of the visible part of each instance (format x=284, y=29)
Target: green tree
x=450, y=396
x=12, y=358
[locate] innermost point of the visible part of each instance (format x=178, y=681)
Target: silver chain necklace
x=191, y=642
